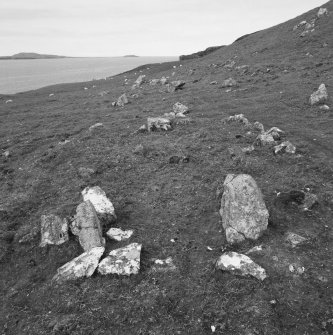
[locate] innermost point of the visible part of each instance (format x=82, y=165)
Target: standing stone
x=87, y=227
x=54, y=230
x=320, y=96
x=122, y=100
x=240, y=264
x=123, y=261
x=243, y=211
x=81, y=266
x=100, y=201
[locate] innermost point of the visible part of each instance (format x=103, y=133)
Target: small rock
x=213, y=82
x=320, y=96
x=285, y=146
x=6, y=154
x=122, y=100
x=243, y=211
x=295, y=239
x=180, y=109
x=275, y=132
x=100, y=201
x=81, y=266
x=85, y=173
x=321, y=12
x=54, y=230
x=140, y=80
x=138, y=149
x=324, y=108
x=164, y=265
x=178, y=84
x=96, y=125
x=119, y=235
x=259, y=126
x=264, y=139
x=248, y=149
x=9, y=101
x=143, y=129
x=123, y=261
x=229, y=82
x=239, y=118
x=101, y=94
x=171, y=115
x=164, y=80
x=87, y=227
x=158, y=123
x=240, y=264
x=309, y=201
x=257, y=248
x=51, y=94
x=154, y=82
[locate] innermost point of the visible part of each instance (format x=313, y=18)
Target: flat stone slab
x=118, y=234
x=122, y=261
x=81, y=266
x=240, y=264
x=54, y=230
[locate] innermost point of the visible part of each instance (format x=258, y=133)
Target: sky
x=98, y=28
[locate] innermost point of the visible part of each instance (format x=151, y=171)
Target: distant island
x=30, y=55
x=131, y=56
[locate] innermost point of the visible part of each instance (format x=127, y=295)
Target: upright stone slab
x=243, y=211
x=87, y=227
x=54, y=230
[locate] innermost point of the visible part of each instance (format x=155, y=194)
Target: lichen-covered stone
x=243, y=211
x=240, y=264
x=81, y=266
x=54, y=230
x=123, y=261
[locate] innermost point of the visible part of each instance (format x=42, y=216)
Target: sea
x=29, y=74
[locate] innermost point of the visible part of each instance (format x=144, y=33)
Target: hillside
x=167, y=186
x=30, y=55
x=200, y=53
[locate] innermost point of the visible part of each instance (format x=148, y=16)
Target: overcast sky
x=141, y=27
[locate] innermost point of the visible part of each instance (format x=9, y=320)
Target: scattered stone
x=119, y=235
x=259, y=126
x=180, y=109
x=248, y=149
x=229, y=82
x=240, y=264
x=275, y=132
x=164, y=80
x=158, y=123
x=8, y=101
x=171, y=115
x=257, y=248
x=320, y=96
x=122, y=100
x=51, y=94
x=54, y=230
x=87, y=227
x=295, y=239
x=321, y=12
x=100, y=201
x=140, y=80
x=309, y=201
x=324, y=108
x=239, y=118
x=178, y=84
x=6, y=154
x=96, y=125
x=138, y=149
x=243, y=211
x=183, y=121
x=285, y=146
x=85, y=173
x=163, y=265
x=64, y=142
x=230, y=64
x=213, y=82
x=178, y=159
x=154, y=82
x=81, y=266
x=101, y=94
x=123, y=261
x=143, y=129
x=264, y=139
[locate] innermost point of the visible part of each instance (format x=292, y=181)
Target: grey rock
x=180, y=109
x=158, y=123
x=163, y=265
x=319, y=96
x=122, y=100
x=85, y=173
x=123, y=261
x=96, y=125
x=285, y=146
x=239, y=118
x=54, y=230
x=230, y=82
x=294, y=239
x=87, y=227
x=240, y=264
x=322, y=11
x=118, y=234
x=324, y=108
x=164, y=80
x=243, y=211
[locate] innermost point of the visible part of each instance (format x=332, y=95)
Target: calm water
x=23, y=75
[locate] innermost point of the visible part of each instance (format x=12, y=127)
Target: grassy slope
x=163, y=201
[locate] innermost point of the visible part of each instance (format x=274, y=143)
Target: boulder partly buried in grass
x=158, y=123
x=54, y=230
x=243, y=211
x=123, y=261
x=81, y=266
x=319, y=96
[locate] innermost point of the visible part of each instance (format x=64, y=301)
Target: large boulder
x=81, y=266
x=319, y=96
x=240, y=264
x=54, y=230
x=100, y=201
x=86, y=226
x=123, y=261
x=243, y=211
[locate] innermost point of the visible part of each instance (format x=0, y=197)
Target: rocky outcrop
x=81, y=266
x=54, y=230
x=87, y=227
x=319, y=96
x=240, y=264
x=123, y=261
x=243, y=211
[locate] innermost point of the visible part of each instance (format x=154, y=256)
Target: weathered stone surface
x=178, y=84
x=154, y=82
x=259, y=126
x=275, y=132
x=170, y=115
x=140, y=80
x=87, y=227
x=320, y=96
x=100, y=201
x=324, y=108
x=180, y=109
x=294, y=239
x=322, y=11
x=243, y=211
x=123, y=261
x=158, y=123
x=240, y=264
x=285, y=146
x=96, y=125
x=265, y=139
x=164, y=80
x=85, y=173
x=54, y=230
x=122, y=100
x=81, y=266
x=229, y=82
x=239, y=118
x=118, y=234
x=163, y=265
